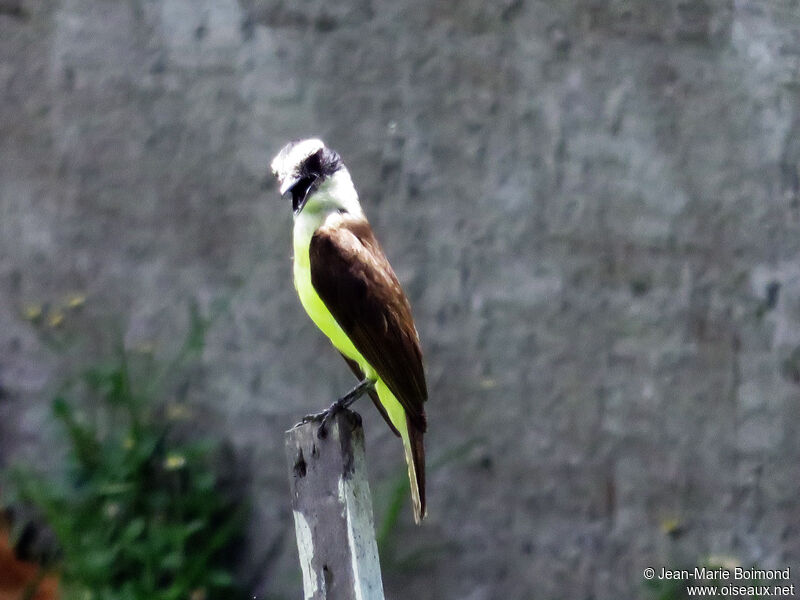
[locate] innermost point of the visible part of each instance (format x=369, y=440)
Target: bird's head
x=303, y=167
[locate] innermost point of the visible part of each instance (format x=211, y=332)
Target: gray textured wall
x=588, y=202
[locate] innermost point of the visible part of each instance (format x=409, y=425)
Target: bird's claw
x=342, y=403
x=311, y=418
x=323, y=417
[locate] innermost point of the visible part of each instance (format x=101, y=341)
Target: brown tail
x=415, y=458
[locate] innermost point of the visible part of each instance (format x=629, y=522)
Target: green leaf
x=172, y=561
x=221, y=579
x=133, y=530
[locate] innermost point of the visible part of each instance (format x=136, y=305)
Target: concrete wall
x=594, y=207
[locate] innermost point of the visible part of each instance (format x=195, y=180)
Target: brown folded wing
x=356, y=282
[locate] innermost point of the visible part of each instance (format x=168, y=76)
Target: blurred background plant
x=140, y=509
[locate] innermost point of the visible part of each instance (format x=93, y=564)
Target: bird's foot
x=312, y=417
x=342, y=403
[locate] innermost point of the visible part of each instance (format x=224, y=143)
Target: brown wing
x=356, y=282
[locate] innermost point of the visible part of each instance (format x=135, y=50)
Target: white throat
x=335, y=195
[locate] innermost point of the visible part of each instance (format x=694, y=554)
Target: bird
x=352, y=294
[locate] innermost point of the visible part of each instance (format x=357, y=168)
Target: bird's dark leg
x=363, y=387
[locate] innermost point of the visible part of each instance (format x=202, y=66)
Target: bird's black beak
x=299, y=189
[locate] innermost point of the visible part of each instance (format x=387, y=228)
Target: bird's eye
x=300, y=191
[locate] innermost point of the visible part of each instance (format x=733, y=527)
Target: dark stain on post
x=772, y=291
x=354, y=423
x=300, y=465
x=328, y=576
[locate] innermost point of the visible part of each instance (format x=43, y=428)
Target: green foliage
x=139, y=513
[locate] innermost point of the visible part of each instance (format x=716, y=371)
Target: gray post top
x=333, y=511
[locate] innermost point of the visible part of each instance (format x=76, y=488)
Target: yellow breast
x=313, y=304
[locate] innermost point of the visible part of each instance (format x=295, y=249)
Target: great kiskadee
x=350, y=291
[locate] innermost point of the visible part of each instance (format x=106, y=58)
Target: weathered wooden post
x=333, y=510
